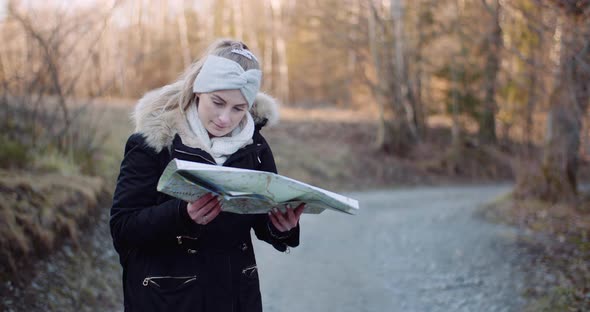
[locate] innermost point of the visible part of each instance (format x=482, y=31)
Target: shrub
x=13, y=154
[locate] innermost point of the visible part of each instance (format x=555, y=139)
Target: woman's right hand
x=204, y=209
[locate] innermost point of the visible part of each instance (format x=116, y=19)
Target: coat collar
x=181, y=151
x=160, y=125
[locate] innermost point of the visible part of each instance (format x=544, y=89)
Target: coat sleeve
x=136, y=218
x=263, y=228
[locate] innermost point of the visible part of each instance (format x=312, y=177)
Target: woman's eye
x=217, y=103
x=238, y=109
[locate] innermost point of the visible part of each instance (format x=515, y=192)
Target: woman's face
x=221, y=111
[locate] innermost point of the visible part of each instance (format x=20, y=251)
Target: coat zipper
x=148, y=280
x=193, y=154
x=249, y=270
x=239, y=153
x=236, y=155
x=180, y=237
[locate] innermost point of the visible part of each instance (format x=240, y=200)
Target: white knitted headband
x=220, y=73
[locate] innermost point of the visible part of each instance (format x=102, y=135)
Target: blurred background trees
x=511, y=75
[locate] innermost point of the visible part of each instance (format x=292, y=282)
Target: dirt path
x=86, y=278
x=419, y=249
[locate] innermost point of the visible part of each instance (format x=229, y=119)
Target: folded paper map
x=248, y=191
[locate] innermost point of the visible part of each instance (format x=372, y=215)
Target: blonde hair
x=179, y=95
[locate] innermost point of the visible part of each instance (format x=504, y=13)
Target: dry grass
x=337, y=154
x=557, y=236
x=39, y=211
x=331, y=115
x=116, y=118
x=335, y=148
x=47, y=200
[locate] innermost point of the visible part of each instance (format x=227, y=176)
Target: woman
x=179, y=256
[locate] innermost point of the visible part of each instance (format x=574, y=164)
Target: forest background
x=381, y=92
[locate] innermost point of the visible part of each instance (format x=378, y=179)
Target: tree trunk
x=269, y=48
x=378, y=89
x=206, y=27
x=569, y=102
x=226, y=21
x=420, y=114
x=281, y=45
x=253, y=27
x=487, y=123
x=183, y=33
x=352, y=52
x=404, y=125
x=532, y=97
x=238, y=19
x=456, y=127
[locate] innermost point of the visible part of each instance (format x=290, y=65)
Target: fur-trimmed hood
x=159, y=125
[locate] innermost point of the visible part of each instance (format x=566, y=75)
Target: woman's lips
x=218, y=126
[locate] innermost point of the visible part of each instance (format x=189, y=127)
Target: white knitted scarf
x=221, y=147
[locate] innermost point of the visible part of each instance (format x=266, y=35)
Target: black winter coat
x=171, y=263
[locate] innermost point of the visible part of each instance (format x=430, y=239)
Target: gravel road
x=420, y=249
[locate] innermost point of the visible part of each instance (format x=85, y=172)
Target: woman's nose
x=224, y=117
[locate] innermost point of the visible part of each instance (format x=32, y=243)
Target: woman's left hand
x=286, y=221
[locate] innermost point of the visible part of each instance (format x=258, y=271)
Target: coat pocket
x=169, y=283
x=251, y=272
x=171, y=293
x=250, y=298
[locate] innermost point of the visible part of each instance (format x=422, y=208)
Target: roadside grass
x=39, y=211
x=334, y=150
x=116, y=120
x=557, y=237
x=47, y=198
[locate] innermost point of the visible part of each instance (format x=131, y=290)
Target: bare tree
x=42, y=98
x=569, y=103
x=400, y=85
x=238, y=19
x=388, y=50
x=378, y=88
x=269, y=49
x=279, y=24
x=182, y=31
x=487, y=124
